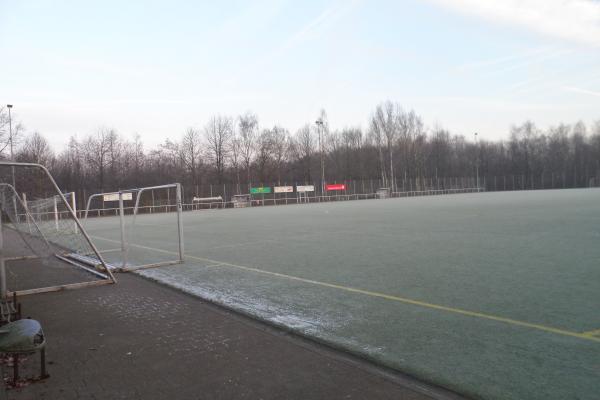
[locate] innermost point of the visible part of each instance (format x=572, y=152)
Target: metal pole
x=89, y=202
x=55, y=214
x=319, y=123
x=27, y=210
x=10, y=133
x=10, y=138
x=322, y=159
x=122, y=222
x=179, y=221
x=2, y=264
x=12, y=158
x=135, y=213
x=74, y=207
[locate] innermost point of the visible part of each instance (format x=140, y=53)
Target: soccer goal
x=41, y=239
x=138, y=228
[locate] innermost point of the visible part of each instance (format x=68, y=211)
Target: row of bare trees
x=396, y=146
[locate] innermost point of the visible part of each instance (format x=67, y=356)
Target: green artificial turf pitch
x=494, y=295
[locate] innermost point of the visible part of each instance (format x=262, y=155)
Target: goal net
x=43, y=247
x=137, y=228
x=50, y=217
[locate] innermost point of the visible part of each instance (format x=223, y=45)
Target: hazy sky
x=158, y=67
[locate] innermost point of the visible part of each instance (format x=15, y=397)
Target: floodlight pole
x=10, y=138
x=3, y=289
x=12, y=157
x=319, y=123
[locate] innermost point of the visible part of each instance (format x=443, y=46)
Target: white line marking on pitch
x=405, y=300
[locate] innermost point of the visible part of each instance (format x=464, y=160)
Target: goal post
x=38, y=219
x=140, y=244
x=178, y=210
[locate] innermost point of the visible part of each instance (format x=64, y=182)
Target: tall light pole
x=3, y=290
x=9, y=106
x=12, y=158
x=477, y=160
x=10, y=139
x=319, y=123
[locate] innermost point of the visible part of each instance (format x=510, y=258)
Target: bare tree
x=219, y=132
x=521, y=142
x=412, y=134
x=96, y=150
x=35, y=149
x=334, y=147
x=264, y=154
x=5, y=129
x=165, y=163
x=595, y=143
x=115, y=156
x=248, y=130
x=191, y=150
x=236, y=151
x=280, y=138
x=385, y=123
x=567, y=155
x=353, y=152
x=377, y=134
x=439, y=151
x=137, y=157
x=304, y=148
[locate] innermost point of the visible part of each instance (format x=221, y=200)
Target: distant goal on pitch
x=138, y=228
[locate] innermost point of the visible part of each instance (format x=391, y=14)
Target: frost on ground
x=276, y=302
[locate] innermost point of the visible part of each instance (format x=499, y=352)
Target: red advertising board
x=336, y=186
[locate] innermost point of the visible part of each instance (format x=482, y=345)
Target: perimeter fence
x=211, y=196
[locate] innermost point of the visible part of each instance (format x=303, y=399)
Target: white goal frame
x=108, y=277
x=125, y=242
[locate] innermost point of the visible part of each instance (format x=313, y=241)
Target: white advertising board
x=284, y=189
x=307, y=188
x=115, y=197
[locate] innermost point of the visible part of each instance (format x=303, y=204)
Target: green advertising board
x=260, y=190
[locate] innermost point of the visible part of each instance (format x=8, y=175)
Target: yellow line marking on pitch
x=595, y=332
x=510, y=321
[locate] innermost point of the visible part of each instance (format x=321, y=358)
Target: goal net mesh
x=42, y=243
